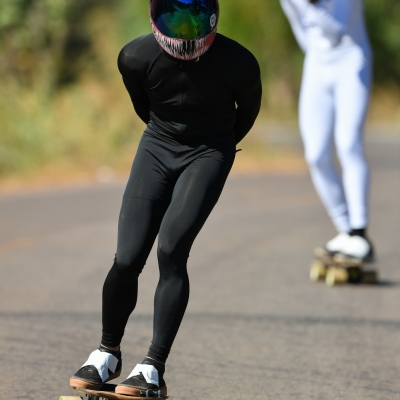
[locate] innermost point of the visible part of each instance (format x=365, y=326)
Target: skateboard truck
x=151, y=394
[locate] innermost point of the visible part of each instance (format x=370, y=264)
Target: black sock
x=159, y=353
x=116, y=353
x=359, y=232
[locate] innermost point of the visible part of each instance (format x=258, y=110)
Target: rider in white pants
x=333, y=104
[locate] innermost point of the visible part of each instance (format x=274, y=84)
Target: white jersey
x=328, y=25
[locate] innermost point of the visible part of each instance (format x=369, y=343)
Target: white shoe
x=357, y=247
x=338, y=243
x=102, y=366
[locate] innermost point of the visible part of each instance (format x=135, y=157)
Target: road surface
x=255, y=327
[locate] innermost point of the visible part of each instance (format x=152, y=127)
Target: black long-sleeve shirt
x=217, y=95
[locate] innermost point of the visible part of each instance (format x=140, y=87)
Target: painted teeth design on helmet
x=182, y=48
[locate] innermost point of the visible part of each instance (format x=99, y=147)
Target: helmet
x=185, y=29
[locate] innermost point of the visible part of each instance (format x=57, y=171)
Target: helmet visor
x=184, y=19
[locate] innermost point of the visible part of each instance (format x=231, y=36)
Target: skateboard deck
x=108, y=392
x=336, y=270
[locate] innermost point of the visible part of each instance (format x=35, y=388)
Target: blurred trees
x=53, y=40
x=39, y=39
x=61, y=97
x=383, y=22
x=61, y=94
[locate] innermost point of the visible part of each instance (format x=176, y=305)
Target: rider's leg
x=146, y=198
x=197, y=190
x=316, y=112
x=351, y=105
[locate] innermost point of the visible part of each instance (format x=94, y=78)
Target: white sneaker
x=357, y=247
x=338, y=243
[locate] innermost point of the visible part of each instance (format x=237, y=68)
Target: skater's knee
x=129, y=269
x=171, y=258
x=347, y=153
x=318, y=160
x=165, y=251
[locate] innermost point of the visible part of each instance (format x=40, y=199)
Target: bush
x=62, y=97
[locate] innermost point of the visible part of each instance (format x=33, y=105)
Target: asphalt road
x=255, y=327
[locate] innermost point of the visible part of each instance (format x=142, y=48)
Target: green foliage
x=383, y=21
x=56, y=40
x=42, y=40
x=61, y=94
x=262, y=28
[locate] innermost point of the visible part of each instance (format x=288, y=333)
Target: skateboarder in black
x=199, y=94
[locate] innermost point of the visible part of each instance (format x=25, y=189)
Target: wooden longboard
x=338, y=270
x=108, y=392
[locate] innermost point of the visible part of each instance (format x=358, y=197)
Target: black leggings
x=171, y=191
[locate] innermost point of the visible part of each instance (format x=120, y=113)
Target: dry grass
x=89, y=133
x=256, y=157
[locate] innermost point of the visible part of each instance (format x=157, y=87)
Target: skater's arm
x=333, y=25
x=132, y=77
x=294, y=17
x=303, y=14
x=248, y=92
x=343, y=11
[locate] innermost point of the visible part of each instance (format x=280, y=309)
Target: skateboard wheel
x=370, y=277
x=71, y=398
x=336, y=276
x=318, y=271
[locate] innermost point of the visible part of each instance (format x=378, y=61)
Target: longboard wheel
x=71, y=398
x=370, y=277
x=318, y=271
x=336, y=276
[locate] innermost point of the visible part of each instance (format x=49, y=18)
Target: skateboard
x=339, y=269
x=108, y=392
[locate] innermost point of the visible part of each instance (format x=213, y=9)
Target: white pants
x=333, y=104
